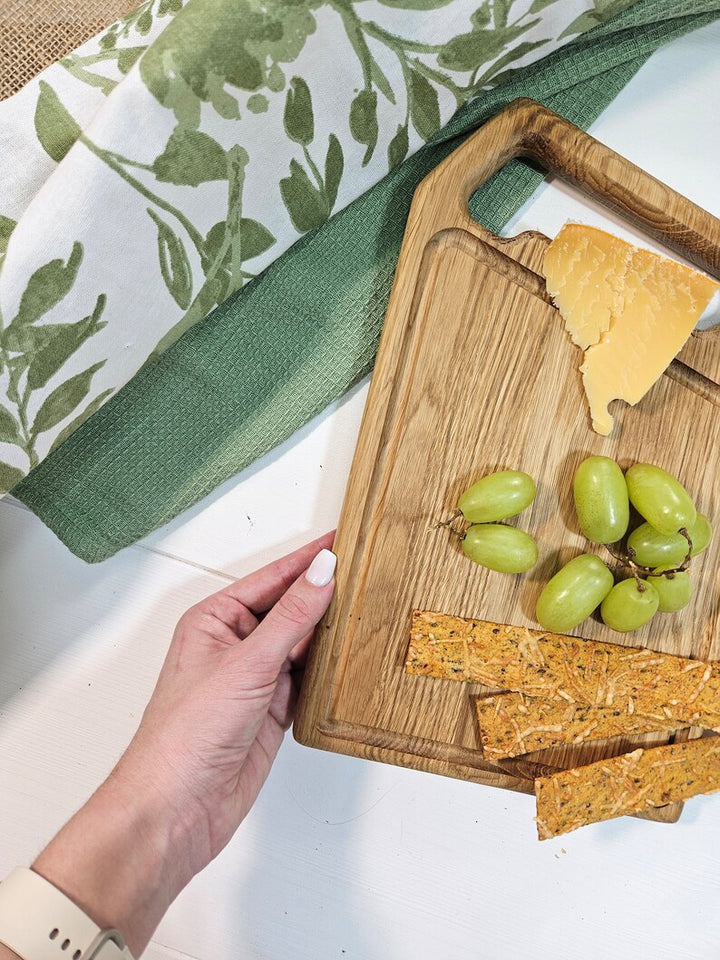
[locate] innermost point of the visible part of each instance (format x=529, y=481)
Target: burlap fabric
x=36, y=33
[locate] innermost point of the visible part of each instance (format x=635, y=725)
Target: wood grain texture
x=476, y=373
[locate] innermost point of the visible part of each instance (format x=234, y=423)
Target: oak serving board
x=476, y=373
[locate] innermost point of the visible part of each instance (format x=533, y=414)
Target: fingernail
x=321, y=570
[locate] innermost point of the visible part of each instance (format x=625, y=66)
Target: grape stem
x=627, y=559
x=446, y=523
x=686, y=562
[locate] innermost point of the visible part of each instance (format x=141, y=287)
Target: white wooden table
x=343, y=858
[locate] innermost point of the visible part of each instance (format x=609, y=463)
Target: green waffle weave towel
x=270, y=358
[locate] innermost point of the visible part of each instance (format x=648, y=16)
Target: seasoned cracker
x=626, y=784
x=670, y=690
x=512, y=724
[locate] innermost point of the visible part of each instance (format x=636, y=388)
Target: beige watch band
x=38, y=922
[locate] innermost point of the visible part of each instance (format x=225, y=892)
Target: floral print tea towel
x=153, y=172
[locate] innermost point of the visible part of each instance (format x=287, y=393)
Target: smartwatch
x=38, y=922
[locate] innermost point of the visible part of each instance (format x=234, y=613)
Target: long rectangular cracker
x=670, y=689
x=626, y=784
x=512, y=724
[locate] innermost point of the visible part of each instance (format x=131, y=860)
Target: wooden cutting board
x=476, y=373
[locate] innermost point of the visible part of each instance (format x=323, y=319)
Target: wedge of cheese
x=629, y=309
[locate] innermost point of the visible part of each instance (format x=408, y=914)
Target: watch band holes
x=53, y=933
x=65, y=944
x=77, y=955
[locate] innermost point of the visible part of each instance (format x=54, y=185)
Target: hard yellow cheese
x=629, y=309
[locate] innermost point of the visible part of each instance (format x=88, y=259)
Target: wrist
x=122, y=858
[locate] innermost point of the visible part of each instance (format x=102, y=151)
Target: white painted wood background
x=342, y=858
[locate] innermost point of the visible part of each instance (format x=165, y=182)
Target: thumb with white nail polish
x=321, y=570
x=296, y=613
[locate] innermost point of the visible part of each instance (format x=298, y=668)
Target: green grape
x=573, y=593
x=653, y=549
x=674, y=591
x=700, y=533
x=499, y=547
x=601, y=500
x=659, y=498
x=629, y=605
x=497, y=496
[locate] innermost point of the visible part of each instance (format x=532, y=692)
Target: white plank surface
x=342, y=858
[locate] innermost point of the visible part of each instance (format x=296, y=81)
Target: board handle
x=527, y=129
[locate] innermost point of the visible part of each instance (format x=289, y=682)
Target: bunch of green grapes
x=495, y=545
x=656, y=554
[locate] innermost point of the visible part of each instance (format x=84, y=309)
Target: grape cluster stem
x=639, y=571
x=446, y=523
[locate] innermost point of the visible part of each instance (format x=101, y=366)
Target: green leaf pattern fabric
x=156, y=170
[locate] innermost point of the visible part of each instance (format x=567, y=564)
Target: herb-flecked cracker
x=671, y=690
x=512, y=724
x=626, y=784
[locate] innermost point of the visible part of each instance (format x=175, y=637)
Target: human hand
x=224, y=698
x=227, y=693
